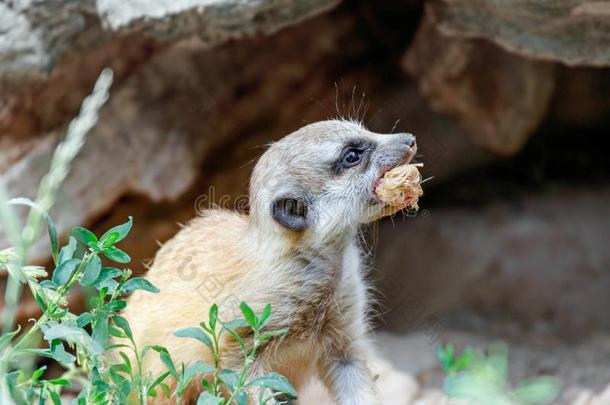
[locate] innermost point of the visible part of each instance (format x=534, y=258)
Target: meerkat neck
x=279, y=243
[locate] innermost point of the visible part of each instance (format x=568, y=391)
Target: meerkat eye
x=352, y=157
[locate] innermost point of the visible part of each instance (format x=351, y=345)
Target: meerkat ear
x=290, y=212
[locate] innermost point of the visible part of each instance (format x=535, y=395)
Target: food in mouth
x=400, y=187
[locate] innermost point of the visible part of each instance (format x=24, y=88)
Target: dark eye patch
x=353, y=154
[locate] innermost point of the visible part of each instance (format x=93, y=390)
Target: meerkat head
x=319, y=181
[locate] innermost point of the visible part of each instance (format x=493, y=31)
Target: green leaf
x=120, y=231
x=71, y=334
x=265, y=315
x=445, y=357
x=83, y=319
x=108, y=273
x=52, y=230
x=53, y=241
x=38, y=352
x=126, y=361
x=198, y=367
x=60, y=381
x=536, y=391
x=213, y=316
x=165, y=358
x=67, y=252
x=38, y=373
x=208, y=399
x=63, y=272
x=92, y=271
x=166, y=390
x=48, y=284
x=235, y=324
x=139, y=283
x=116, y=255
x=169, y=363
x=84, y=236
x=158, y=381
x=107, y=287
x=40, y=301
x=275, y=382
x=100, y=329
x=123, y=324
x=241, y=398
x=116, y=332
x=230, y=328
x=191, y=371
x=114, y=306
x=229, y=377
x=55, y=398
x=110, y=240
x=116, y=377
x=249, y=315
x=263, y=337
x=195, y=333
x=207, y=386
x=59, y=354
x=465, y=360
x=7, y=337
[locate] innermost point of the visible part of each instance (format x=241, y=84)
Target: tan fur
x=313, y=279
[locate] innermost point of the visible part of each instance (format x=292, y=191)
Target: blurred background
x=509, y=100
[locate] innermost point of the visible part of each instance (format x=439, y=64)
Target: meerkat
x=297, y=250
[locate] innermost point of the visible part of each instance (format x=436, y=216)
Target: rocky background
x=510, y=102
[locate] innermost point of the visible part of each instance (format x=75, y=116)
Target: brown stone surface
x=574, y=32
x=194, y=113
x=498, y=97
x=539, y=259
x=182, y=130
x=35, y=37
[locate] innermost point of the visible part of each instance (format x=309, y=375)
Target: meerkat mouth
x=400, y=187
x=406, y=161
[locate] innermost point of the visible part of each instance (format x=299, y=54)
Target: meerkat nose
x=407, y=139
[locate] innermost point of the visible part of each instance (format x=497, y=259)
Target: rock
x=35, y=36
x=49, y=46
x=190, y=117
x=499, y=98
x=167, y=117
x=581, y=97
x=541, y=259
x=184, y=123
x=575, y=32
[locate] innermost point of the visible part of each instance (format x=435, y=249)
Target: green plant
x=100, y=335
x=16, y=347
x=77, y=263
x=482, y=379
x=92, y=347
x=270, y=387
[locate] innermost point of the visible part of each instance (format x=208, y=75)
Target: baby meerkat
x=296, y=250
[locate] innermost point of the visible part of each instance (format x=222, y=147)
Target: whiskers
x=352, y=108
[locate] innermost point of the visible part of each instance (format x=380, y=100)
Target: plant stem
x=216, y=354
x=244, y=371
